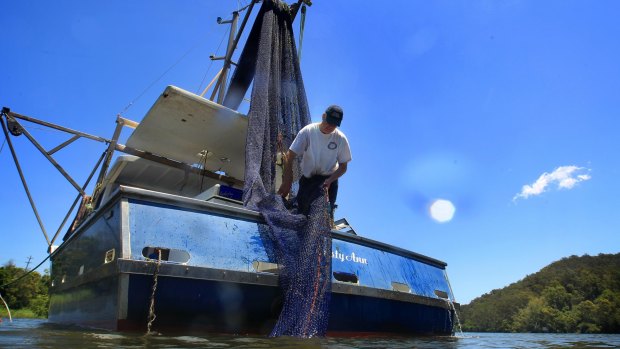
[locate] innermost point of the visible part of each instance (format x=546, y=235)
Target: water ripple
x=25, y=333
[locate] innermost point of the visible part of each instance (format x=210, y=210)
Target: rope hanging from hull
x=152, y=316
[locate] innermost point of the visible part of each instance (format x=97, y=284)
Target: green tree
x=22, y=293
x=587, y=284
x=555, y=296
x=586, y=313
x=40, y=305
x=531, y=318
x=607, y=307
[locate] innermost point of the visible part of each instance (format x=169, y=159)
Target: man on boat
x=325, y=154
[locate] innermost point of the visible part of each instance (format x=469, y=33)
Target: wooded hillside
x=575, y=294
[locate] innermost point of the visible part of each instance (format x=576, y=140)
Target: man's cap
x=333, y=115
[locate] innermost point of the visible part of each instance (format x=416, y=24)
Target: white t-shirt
x=321, y=153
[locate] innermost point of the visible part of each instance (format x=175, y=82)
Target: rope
x=7, y=308
x=26, y=273
x=17, y=279
x=240, y=9
x=160, y=77
x=330, y=209
x=209, y=68
x=245, y=7
x=152, y=315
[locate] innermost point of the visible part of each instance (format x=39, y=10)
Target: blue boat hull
x=187, y=305
x=211, y=277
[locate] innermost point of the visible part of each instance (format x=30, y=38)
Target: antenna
x=220, y=88
x=233, y=40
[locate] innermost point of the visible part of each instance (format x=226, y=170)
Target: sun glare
x=442, y=210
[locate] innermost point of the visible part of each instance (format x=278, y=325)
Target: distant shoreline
x=19, y=314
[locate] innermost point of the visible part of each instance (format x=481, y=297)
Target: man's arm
x=342, y=168
x=287, y=175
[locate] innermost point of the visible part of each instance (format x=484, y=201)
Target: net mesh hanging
x=301, y=244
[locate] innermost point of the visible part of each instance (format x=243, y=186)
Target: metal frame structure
x=10, y=124
x=233, y=41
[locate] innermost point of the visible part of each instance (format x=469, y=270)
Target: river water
x=27, y=333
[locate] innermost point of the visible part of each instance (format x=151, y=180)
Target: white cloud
x=564, y=177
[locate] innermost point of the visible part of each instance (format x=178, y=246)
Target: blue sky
x=506, y=109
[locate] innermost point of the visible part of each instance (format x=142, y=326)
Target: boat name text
x=349, y=258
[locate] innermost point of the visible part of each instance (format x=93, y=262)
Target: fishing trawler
x=165, y=233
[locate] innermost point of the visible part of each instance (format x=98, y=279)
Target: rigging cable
x=26, y=273
x=160, y=77
x=210, y=64
x=241, y=9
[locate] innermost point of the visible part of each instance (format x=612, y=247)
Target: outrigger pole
x=10, y=124
x=15, y=131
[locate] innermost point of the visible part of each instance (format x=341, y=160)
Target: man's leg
x=304, y=195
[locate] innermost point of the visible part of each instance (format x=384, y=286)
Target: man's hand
x=285, y=188
x=287, y=175
x=327, y=183
x=342, y=168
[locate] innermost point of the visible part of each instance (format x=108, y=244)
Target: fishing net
x=300, y=243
